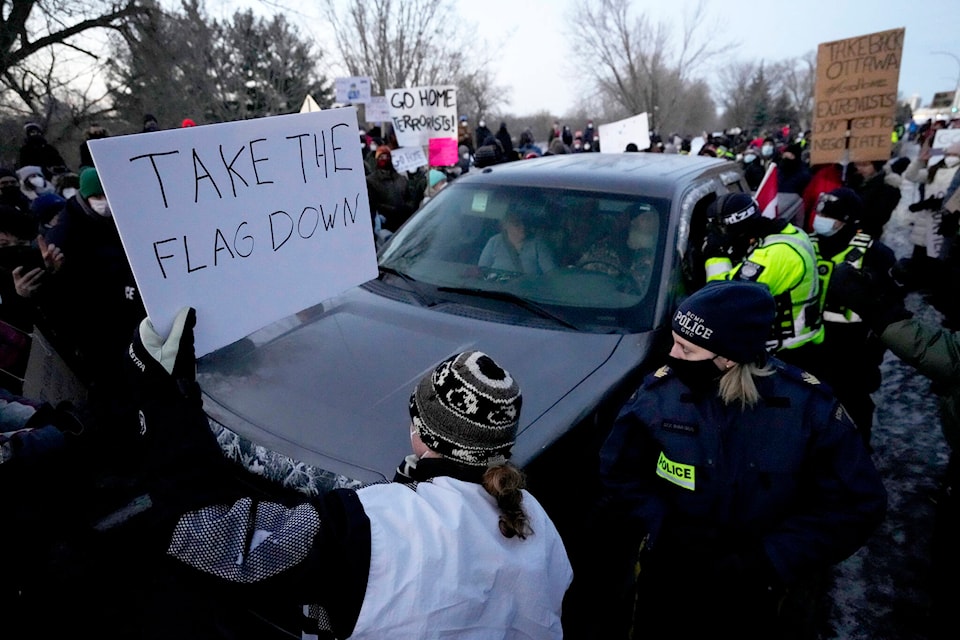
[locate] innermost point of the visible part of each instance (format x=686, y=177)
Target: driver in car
x=517, y=249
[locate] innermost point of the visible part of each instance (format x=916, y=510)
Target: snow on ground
x=882, y=591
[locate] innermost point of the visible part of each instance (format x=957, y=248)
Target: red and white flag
x=766, y=195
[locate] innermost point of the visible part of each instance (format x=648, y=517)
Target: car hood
x=332, y=391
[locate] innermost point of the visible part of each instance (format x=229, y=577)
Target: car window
x=593, y=258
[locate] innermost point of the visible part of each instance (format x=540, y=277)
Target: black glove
x=716, y=244
x=875, y=298
x=183, y=465
x=930, y=204
x=949, y=224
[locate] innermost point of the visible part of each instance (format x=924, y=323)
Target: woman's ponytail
x=505, y=483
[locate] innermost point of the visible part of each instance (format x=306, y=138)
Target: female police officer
x=742, y=475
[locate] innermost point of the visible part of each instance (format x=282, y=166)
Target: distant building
x=943, y=100
x=944, y=106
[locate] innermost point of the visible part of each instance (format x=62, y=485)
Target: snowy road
x=882, y=592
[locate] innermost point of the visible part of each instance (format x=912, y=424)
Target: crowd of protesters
x=64, y=274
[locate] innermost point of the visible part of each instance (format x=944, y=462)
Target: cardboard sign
x=617, y=135
x=48, y=378
x=855, y=98
x=421, y=113
x=377, y=110
x=246, y=221
x=353, y=90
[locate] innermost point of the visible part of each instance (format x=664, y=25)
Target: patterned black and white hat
x=467, y=409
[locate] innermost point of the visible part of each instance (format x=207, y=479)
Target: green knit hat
x=90, y=183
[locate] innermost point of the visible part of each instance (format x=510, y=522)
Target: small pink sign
x=443, y=152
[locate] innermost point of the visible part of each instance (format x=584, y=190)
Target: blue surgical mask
x=823, y=226
x=748, y=158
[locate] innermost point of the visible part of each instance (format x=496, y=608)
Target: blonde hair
x=737, y=383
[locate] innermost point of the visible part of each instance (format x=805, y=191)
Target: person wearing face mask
x=741, y=244
x=481, y=133
x=768, y=151
x=850, y=355
x=740, y=479
x=10, y=193
x=37, y=152
x=389, y=192
x=93, y=303
x=793, y=173
x=32, y=182
x=753, y=168
x=935, y=176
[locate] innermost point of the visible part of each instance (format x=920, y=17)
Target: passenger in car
x=517, y=249
x=455, y=547
x=740, y=478
x=629, y=249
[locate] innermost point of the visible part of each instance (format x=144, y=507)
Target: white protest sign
x=421, y=113
x=377, y=109
x=352, y=89
x=943, y=139
x=696, y=144
x=408, y=158
x=617, y=135
x=246, y=221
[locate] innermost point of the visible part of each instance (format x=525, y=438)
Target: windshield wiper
x=512, y=298
x=412, y=285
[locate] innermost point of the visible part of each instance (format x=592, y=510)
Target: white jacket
x=457, y=575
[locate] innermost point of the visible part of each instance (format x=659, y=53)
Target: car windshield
x=592, y=261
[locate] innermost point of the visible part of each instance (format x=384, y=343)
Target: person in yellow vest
x=741, y=244
x=851, y=354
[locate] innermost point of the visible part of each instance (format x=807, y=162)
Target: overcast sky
x=531, y=38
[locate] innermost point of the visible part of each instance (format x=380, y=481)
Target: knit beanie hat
x=45, y=206
x=731, y=318
x=467, y=409
x=90, y=183
x=382, y=149
x=841, y=204
x=436, y=177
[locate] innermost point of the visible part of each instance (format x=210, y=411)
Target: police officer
x=741, y=244
x=743, y=477
x=850, y=355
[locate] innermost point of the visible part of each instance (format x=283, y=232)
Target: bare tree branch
x=638, y=68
